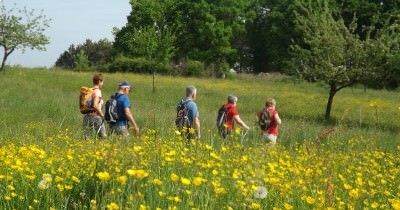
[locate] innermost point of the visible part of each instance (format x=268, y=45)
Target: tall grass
x=51, y=97
x=350, y=162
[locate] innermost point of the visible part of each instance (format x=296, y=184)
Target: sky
x=72, y=22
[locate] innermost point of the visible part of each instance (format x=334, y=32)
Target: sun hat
x=124, y=83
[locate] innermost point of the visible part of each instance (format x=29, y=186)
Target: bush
x=194, y=68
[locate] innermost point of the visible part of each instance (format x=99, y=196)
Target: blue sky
x=72, y=22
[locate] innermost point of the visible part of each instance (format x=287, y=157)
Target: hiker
x=188, y=114
x=121, y=126
x=270, y=131
x=93, y=117
x=232, y=117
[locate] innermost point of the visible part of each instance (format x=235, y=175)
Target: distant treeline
x=208, y=37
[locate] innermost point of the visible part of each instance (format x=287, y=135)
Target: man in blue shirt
x=191, y=108
x=124, y=113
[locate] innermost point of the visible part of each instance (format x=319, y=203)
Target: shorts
x=93, y=126
x=269, y=138
x=120, y=130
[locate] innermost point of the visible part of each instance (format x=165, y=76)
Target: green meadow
x=50, y=97
x=349, y=162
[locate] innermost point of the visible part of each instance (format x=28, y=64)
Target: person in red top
x=232, y=116
x=270, y=134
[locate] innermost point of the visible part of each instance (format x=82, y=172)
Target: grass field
x=349, y=162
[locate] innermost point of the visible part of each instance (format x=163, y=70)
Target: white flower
x=260, y=193
x=45, y=182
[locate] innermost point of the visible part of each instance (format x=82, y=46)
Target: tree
x=97, y=53
x=81, y=60
x=270, y=34
x=334, y=53
x=21, y=29
x=149, y=32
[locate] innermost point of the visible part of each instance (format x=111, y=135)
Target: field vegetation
x=349, y=162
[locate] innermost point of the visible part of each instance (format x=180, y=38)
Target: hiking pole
x=101, y=125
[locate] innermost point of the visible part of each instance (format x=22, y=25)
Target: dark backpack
x=264, y=120
x=111, y=110
x=221, y=121
x=182, y=119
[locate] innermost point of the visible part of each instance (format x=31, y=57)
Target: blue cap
x=124, y=83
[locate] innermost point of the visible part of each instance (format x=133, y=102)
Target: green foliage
x=194, y=68
x=138, y=65
x=21, y=29
x=97, y=53
x=51, y=102
x=81, y=60
x=333, y=52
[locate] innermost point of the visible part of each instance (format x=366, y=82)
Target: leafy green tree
x=81, y=60
x=149, y=32
x=334, y=53
x=98, y=53
x=21, y=29
x=67, y=58
x=270, y=34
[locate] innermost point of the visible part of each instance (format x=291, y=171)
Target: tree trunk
x=5, y=56
x=154, y=78
x=3, y=62
x=332, y=93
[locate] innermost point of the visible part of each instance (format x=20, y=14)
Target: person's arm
x=96, y=105
x=277, y=119
x=130, y=118
x=240, y=122
x=197, y=123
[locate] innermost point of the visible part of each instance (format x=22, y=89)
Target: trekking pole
x=101, y=125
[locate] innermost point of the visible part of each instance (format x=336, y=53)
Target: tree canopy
x=21, y=29
x=334, y=52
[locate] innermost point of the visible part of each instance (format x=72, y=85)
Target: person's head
x=232, y=99
x=191, y=92
x=124, y=87
x=270, y=102
x=98, y=79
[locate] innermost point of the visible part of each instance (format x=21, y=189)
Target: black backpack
x=221, y=121
x=264, y=120
x=182, y=119
x=111, y=110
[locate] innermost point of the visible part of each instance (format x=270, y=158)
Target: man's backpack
x=264, y=120
x=86, y=100
x=222, y=120
x=111, y=109
x=182, y=119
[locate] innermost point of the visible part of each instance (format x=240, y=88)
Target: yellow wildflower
x=395, y=203
x=112, y=206
x=255, y=206
x=374, y=205
x=287, y=206
x=122, y=179
x=104, y=176
x=310, y=200
x=174, y=177
x=197, y=181
x=185, y=181
x=157, y=182
x=76, y=179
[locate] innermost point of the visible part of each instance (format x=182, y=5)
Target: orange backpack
x=86, y=100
